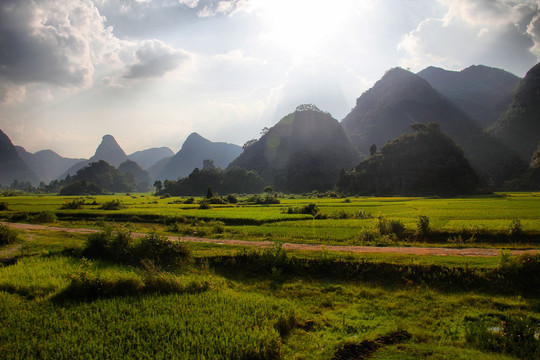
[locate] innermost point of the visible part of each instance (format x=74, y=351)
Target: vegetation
x=266, y=304
x=427, y=162
x=7, y=235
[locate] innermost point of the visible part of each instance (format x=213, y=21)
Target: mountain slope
x=481, y=92
x=147, y=158
x=427, y=162
x=304, y=151
x=141, y=177
x=194, y=150
x=519, y=126
x=108, y=150
x=401, y=99
x=46, y=164
x=12, y=166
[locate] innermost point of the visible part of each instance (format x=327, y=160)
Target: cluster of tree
x=427, y=162
x=93, y=179
x=232, y=180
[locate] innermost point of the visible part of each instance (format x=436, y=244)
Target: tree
x=269, y=189
x=249, y=143
x=158, y=185
x=264, y=131
x=209, y=193
x=372, y=150
x=208, y=165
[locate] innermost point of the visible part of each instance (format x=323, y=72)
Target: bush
x=390, y=227
x=73, y=205
x=161, y=251
x=516, y=229
x=7, y=235
x=189, y=201
x=112, y=205
x=204, y=205
x=3, y=206
x=231, y=198
x=43, y=217
x=422, y=227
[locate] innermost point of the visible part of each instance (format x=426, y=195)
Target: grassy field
x=228, y=302
x=483, y=219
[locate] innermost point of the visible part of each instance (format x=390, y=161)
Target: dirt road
x=293, y=246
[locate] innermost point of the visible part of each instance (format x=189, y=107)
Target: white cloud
x=492, y=32
x=155, y=59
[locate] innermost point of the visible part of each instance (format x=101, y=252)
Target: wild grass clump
x=116, y=245
x=74, y=204
x=8, y=235
x=86, y=286
x=514, y=335
x=390, y=227
x=43, y=217
x=309, y=209
x=112, y=205
x=268, y=199
x=516, y=229
x=423, y=229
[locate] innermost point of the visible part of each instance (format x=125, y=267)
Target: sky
x=150, y=72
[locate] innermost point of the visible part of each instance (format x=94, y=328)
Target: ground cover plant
x=262, y=304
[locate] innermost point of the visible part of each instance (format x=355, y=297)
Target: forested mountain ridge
x=481, y=92
x=425, y=163
x=401, y=98
x=304, y=151
x=519, y=126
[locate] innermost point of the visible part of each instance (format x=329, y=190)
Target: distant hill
x=194, y=151
x=141, y=177
x=104, y=175
x=108, y=150
x=425, y=163
x=481, y=92
x=519, y=126
x=12, y=166
x=46, y=164
x=147, y=158
x=400, y=99
x=158, y=167
x=304, y=151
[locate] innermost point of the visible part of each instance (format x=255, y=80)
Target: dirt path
x=293, y=246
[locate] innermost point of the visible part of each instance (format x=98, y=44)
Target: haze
x=151, y=72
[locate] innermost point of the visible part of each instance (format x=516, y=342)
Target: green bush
x=423, y=229
x=112, y=205
x=231, y=198
x=7, y=235
x=516, y=229
x=390, y=227
x=43, y=217
x=204, y=205
x=160, y=250
x=75, y=204
x=3, y=206
x=189, y=201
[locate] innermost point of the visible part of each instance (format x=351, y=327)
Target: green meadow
x=58, y=301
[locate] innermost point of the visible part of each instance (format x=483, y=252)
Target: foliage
x=423, y=229
x=74, y=204
x=427, y=162
x=116, y=245
x=516, y=229
x=232, y=180
x=82, y=187
x=115, y=204
x=3, y=206
x=46, y=216
x=514, y=335
x=390, y=227
x=7, y=235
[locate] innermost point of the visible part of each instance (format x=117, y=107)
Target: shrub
x=3, y=206
x=160, y=250
x=231, y=198
x=7, y=235
x=422, y=227
x=204, y=205
x=43, y=217
x=112, y=205
x=73, y=205
x=189, y=201
x=516, y=229
x=389, y=227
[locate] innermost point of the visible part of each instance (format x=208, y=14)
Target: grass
x=235, y=303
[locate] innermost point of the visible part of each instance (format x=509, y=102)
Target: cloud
x=500, y=33
x=155, y=59
x=224, y=7
x=52, y=41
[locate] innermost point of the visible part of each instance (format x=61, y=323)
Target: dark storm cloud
x=154, y=59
